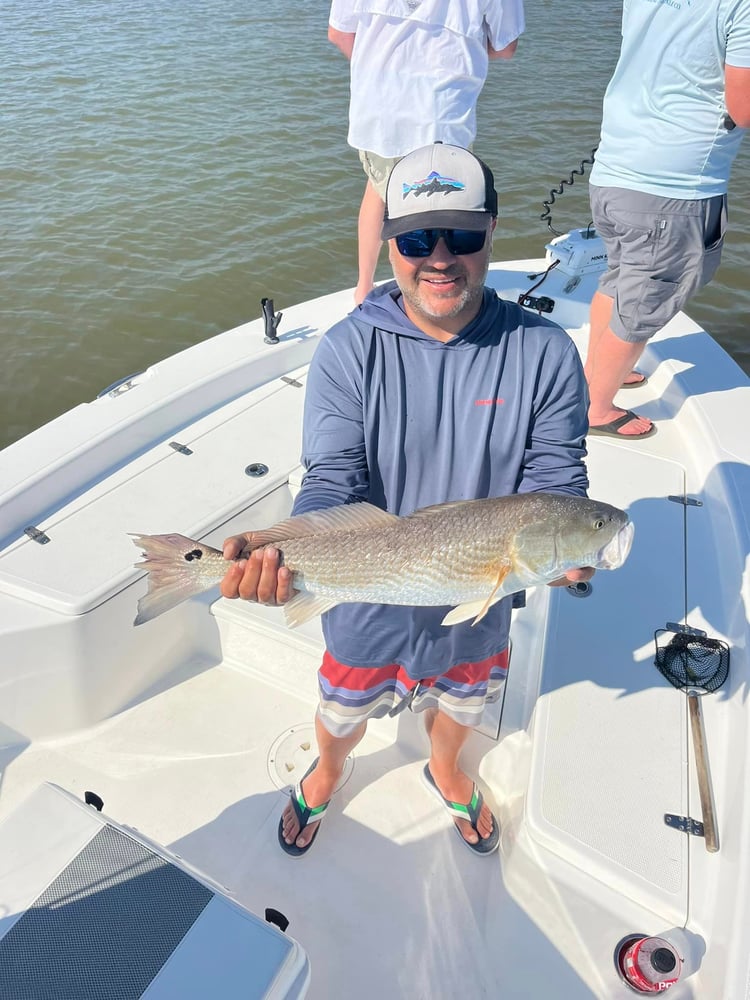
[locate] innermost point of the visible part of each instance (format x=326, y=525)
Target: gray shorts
x=378, y=169
x=660, y=251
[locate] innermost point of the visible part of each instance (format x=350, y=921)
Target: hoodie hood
x=383, y=310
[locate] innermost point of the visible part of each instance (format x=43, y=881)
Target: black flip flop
x=643, y=380
x=304, y=815
x=469, y=812
x=613, y=428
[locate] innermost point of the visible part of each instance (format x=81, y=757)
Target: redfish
x=467, y=554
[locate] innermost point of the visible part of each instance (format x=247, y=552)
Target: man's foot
x=622, y=424
x=310, y=797
x=471, y=815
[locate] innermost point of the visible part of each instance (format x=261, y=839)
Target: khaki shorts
x=378, y=169
x=660, y=251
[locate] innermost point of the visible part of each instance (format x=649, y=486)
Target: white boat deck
x=193, y=727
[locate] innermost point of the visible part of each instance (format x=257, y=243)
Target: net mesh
x=691, y=661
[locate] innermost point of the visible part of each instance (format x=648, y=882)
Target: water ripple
x=165, y=166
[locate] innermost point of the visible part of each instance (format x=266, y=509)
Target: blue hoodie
x=401, y=420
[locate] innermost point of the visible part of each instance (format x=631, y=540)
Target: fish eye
x=599, y=523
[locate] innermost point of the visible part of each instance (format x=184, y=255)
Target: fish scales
x=465, y=554
x=419, y=560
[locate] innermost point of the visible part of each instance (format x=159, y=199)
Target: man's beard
x=471, y=296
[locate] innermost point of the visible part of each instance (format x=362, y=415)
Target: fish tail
x=175, y=572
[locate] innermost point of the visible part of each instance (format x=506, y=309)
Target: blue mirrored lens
x=421, y=242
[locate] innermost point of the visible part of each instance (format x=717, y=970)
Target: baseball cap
x=438, y=186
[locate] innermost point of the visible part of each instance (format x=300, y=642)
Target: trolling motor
x=271, y=320
x=575, y=253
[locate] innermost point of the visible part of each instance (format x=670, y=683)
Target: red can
x=650, y=964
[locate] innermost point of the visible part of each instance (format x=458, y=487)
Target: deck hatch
x=104, y=927
x=157, y=491
x=608, y=724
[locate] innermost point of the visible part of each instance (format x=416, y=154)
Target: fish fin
x=494, y=596
x=304, y=606
x=440, y=508
x=171, y=578
x=462, y=612
x=159, y=546
x=344, y=517
x=477, y=608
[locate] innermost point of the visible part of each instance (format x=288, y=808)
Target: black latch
x=685, y=824
x=276, y=917
x=92, y=799
x=181, y=448
x=36, y=534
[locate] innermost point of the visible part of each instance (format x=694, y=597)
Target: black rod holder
x=271, y=320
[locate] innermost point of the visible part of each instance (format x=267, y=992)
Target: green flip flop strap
x=470, y=811
x=306, y=814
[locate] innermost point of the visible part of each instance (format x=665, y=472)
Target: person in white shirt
x=417, y=68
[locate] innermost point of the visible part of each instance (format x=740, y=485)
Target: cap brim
x=436, y=219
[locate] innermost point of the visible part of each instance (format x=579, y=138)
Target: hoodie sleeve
x=333, y=441
x=556, y=441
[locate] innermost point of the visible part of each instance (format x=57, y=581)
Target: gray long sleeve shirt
x=399, y=419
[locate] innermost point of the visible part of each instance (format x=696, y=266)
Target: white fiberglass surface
x=387, y=903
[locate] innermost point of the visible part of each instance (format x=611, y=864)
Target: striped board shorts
x=351, y=695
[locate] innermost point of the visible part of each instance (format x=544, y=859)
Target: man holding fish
x=432, y=391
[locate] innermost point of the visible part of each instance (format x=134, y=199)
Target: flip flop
x=304, y=815
x=613, y=428
x=642, y=380
x=469, y=812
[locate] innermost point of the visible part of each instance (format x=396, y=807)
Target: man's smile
x=441, y=279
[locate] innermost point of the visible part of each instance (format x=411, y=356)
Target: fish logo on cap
x=434, y=183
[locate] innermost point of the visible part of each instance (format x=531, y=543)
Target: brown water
x=164, y=166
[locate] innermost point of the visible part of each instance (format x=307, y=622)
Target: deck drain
x=293, y=752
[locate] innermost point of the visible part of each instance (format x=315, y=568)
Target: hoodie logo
x=434, y=183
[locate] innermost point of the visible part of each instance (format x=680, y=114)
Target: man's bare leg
x=609, y=361
x=369, y=228
x=318, y=787
x=447, y=738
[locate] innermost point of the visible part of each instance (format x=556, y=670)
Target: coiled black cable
x=546, y=215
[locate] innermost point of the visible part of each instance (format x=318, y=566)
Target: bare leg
x=368, y=233
x=447, y=738
x=319, y=786
x=599, y=317
x=608, y=362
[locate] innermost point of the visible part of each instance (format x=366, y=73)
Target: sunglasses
x=421, y=242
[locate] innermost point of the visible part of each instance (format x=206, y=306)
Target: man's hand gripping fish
x=467, y=554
